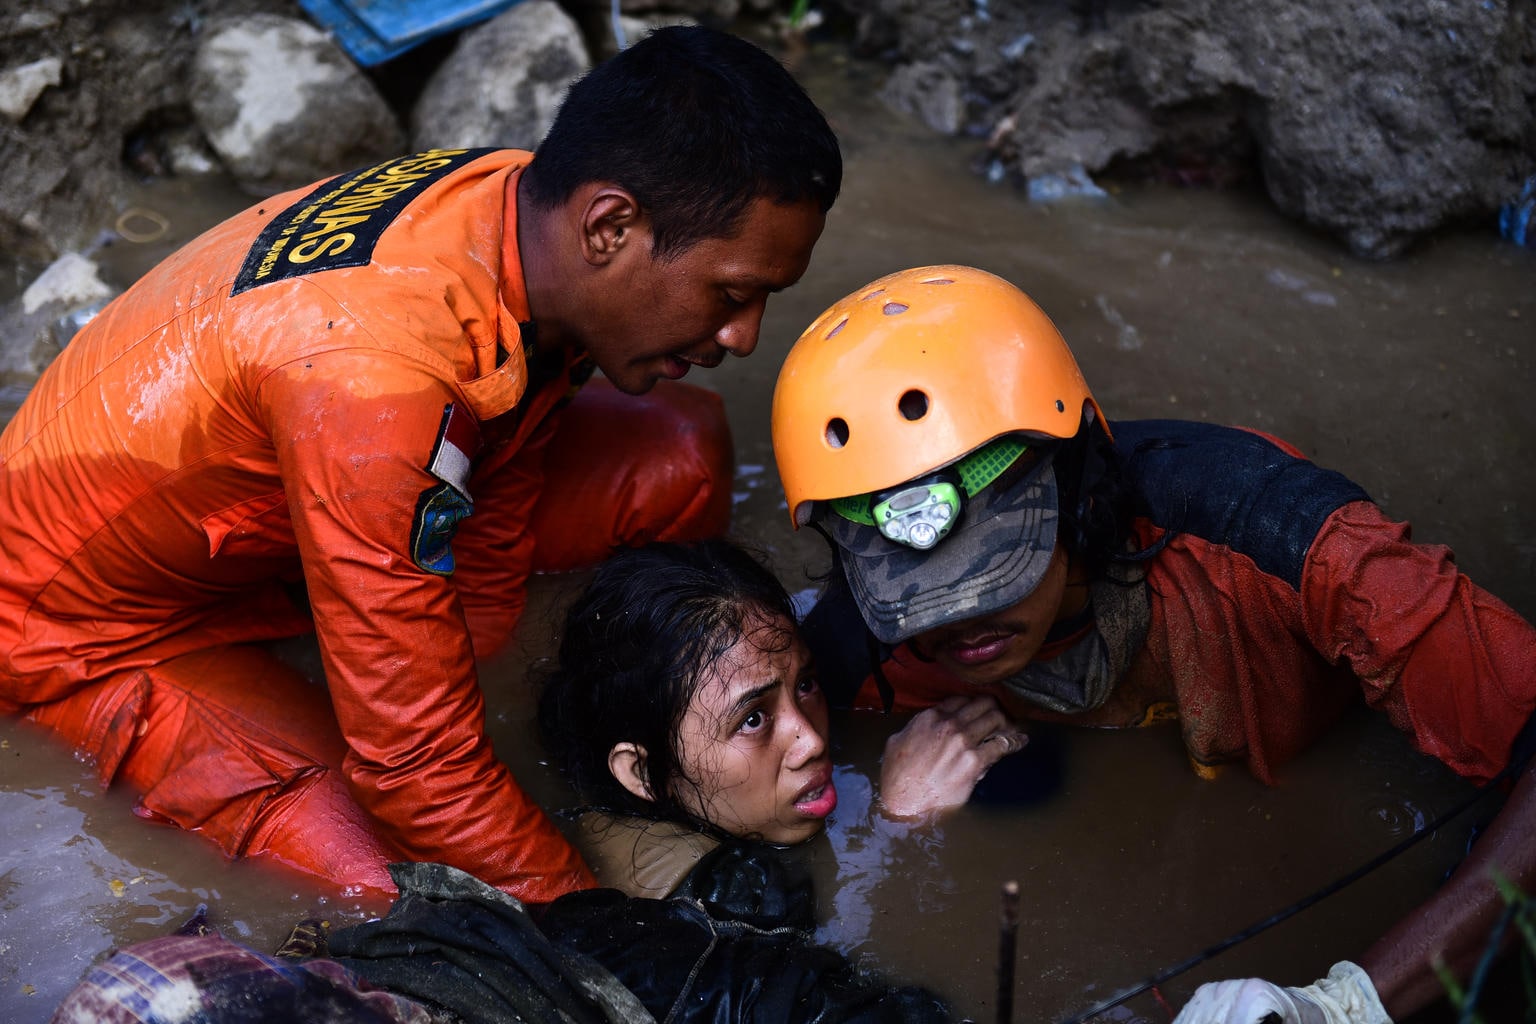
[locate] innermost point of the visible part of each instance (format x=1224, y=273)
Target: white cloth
x=1346, y=996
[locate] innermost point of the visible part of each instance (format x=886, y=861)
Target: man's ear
x=627, y=763
x=611, y=220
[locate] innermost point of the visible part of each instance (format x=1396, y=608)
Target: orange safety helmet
x=912, y=372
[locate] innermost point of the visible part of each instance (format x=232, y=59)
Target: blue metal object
x=373, y=31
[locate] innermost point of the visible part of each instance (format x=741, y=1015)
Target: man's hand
x=1346, y=996
x=935, y=762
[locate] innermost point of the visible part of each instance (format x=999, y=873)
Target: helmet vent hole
x=869, y=295
x=894, y=308
x=1061, y=406
x=837, y=432
x=837, y=327
x=913, y=405
x=939, y=280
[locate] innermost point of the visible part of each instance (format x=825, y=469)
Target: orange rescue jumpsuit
x=284, y=427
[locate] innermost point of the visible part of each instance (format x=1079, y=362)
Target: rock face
x=503, y=82
x=98, y=94
x=282, y=105
x=85, y=84
x=1376, y=121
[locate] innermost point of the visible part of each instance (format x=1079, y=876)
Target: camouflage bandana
x=1082, y=677
x=993, y=558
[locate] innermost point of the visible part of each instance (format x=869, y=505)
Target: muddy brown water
x=1414, y=377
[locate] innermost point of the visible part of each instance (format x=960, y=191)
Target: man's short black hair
x=696, y=124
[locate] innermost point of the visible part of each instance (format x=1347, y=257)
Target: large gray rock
x=20, y=86
x=37, y=326
x=1397, y=120
x=282, y=105
x=1377, y=121
x=503, y=82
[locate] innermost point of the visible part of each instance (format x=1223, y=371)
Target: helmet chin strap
x=878, y=651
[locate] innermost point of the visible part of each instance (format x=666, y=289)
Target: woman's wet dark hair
x=696, y=124
x=635, y=646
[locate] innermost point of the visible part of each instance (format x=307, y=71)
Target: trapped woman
x=685, y=710
x=684, y=705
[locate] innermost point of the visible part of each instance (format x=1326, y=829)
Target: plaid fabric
x=206, y=979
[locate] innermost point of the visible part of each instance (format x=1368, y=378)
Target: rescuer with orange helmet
x=993, y=534
x=333, y=412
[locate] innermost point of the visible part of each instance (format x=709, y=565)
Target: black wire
x=1297, y=907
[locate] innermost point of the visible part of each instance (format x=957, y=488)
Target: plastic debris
x=1515, y=216
x=1048, y=188
x=373, y=31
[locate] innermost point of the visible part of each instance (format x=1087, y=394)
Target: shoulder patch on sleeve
x=338, y=224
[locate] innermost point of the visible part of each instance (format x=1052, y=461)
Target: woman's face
x=993, y=647
x=753, y=743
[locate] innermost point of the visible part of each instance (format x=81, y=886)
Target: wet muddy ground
x=1412, y=377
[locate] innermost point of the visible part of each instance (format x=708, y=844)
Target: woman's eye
x=753, y=722
x=807, y=686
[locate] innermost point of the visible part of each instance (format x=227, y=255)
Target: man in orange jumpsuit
x=330, y=412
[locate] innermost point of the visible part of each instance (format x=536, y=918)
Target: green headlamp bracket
x=920, y=512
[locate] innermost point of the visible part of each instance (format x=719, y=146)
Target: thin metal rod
x=1007, y=947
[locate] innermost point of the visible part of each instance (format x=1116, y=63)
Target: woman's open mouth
x=818, y=801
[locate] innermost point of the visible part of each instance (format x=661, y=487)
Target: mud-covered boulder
x=1375, y=121
x=41, y=321
x=282, y=105
x=503, y=82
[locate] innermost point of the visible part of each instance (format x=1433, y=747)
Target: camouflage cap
x=993, y=558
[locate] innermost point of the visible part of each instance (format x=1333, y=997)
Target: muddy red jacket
x=319, y=390
x=1281, y=594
